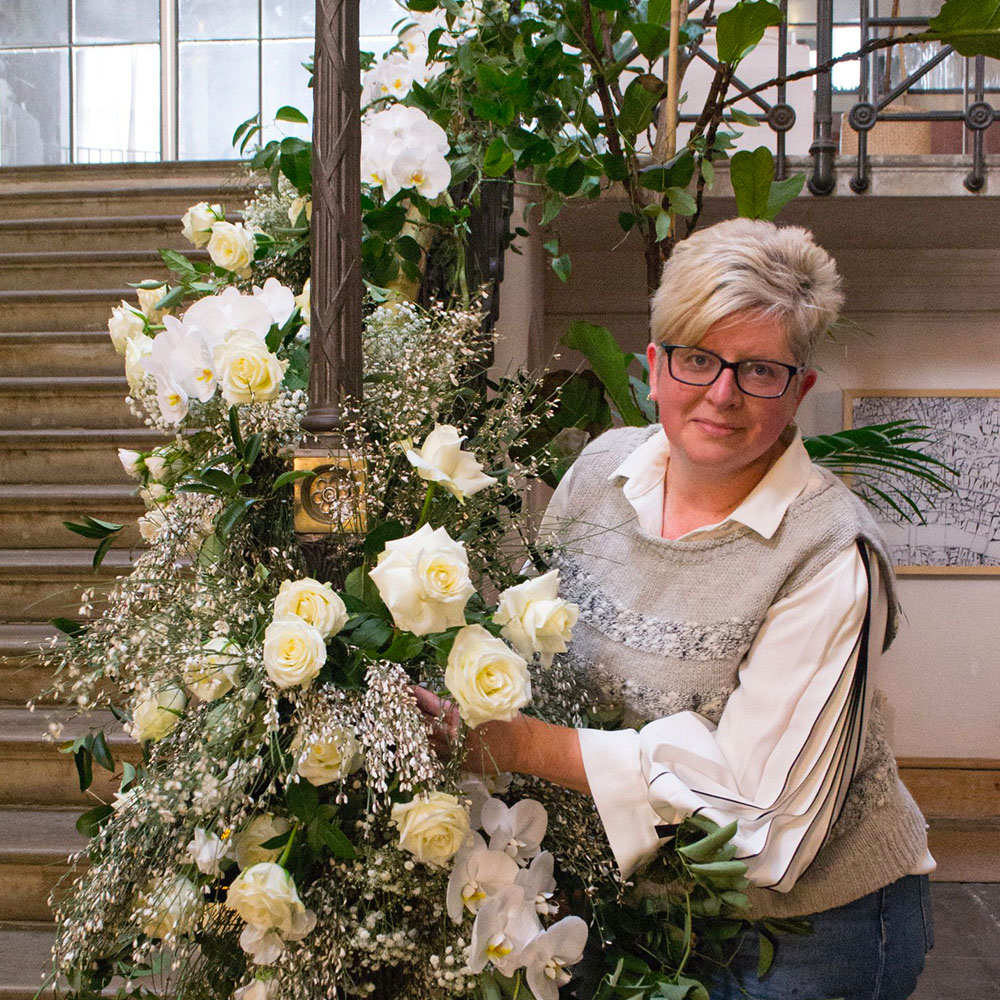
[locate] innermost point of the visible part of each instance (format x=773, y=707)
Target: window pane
x=113, y=21
x=117, y=103
x=289, y=18
x=285, y=82
x=28, y=22
x=34, y=107
x=220, y=78
x=378, y=16
x=205, y=19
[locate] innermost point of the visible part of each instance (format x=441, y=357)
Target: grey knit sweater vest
x=665, y=624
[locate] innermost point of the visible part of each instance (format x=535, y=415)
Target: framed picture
x=962, y=530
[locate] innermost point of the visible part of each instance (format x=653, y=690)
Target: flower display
x=330, y=757
x=402, y=148
x=148, y=300
x=486, y=677
x=440, y=459
x=197, y=222
x=504, y=926
x=246, y=847
x=207, y=851
x=548, y=955
x=294, y=652
x=170, y=908
x=535, y=619
x=248, y=371
x=477, y=874
x=156, y=713
x=215, y=671
x=516, y=830
x=315, y=603
x=231, y=247
x=131, y=462
x=432, y=827
x=424, y=581
x=265, y=896
x=125, y=324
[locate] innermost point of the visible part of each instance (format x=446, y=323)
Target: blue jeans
x=871, y=949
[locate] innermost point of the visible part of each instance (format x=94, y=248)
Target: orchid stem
x=288, y=846
x=425, y=510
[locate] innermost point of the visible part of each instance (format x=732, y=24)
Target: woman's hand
x=489, y=749
x=525, y=745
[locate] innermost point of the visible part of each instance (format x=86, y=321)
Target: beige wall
x=921, y=280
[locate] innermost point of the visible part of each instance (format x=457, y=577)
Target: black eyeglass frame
x=792, y=370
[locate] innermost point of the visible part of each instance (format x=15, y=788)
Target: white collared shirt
x=775, y=760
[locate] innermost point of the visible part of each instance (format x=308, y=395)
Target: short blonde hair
x=752, y=265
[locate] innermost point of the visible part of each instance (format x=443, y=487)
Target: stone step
x=58, y=352
x=25, y=958
x=22, y=677
x=61, y=309
x=36, y=773
x=83, y=269
x=71, y=456
x=39, y=584
x=34, y=847
x=32, y=515
x=88, y=233
x=72, y=401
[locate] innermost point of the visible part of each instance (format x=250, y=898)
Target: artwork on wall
x=962, y=530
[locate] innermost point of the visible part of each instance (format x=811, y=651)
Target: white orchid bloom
x=516, y=830
x=478, y=874
x=219, y=317
x=504, y=925
x=181, y=359
x=423, y=169
x=539, y=882
x=207, y=850
x=280, y=301
x=401, y=147
x=392, y=77
x=546, y=957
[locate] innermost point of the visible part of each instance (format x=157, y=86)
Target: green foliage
x=758, y=194
x=610, y=364
x=740, y=28
x=104, y=532
x=971, y=26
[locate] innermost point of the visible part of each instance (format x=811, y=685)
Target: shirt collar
x=761, y=510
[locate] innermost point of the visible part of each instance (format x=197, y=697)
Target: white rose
x=231, y=247
x=207, y=850
x=213, y=673
x=135, y=371
x=156, y=465
x=173, y=907
x=441, y=460
x=246, y=849
x=157, y=713
x=298, y=205
x=294, y=653
x=152, y=523
x=314, y=602
x=329, y=758
x=124, y=324
x=535, y=619
x=486, y=677
x=132, y=462
x=424, y=581
x=248, y=372
x=431, y=827
x=148, y=297
x=303, y=300
x=198, y=221
x=265, y=896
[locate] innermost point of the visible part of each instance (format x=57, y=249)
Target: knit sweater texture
x=664, y=626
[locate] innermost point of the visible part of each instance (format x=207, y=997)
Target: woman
x=728, y=589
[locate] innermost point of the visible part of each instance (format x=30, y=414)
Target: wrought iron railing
x=876, y=100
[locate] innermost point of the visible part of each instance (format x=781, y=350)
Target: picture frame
x=961, y=536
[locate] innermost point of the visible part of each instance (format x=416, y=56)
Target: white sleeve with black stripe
x=786, y=746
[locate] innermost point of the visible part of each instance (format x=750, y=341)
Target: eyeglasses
x=754, y=377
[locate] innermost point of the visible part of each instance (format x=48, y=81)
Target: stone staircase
x=70, y=240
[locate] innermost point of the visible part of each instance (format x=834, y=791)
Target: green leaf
x=234, y=428
x=610, y=4
x=751, y=174
x=90, y=822
x=681, y=202
x=663, y=224
x=289, y=114
x=174, y=297
x=178, y=263
x=92, y=527
x=765, y=955
x=372, y=633
x=615, y=167
x=336, y=841
x=971, y=26
x=676, y=172
x=67, y=626
x=289, y=477
x=101, y=551
x=610, y=363
x=384, y=531
x=626, y=220
x=302, y=799
x=488, y=989
x=639, y=104
x=229, y=517
x=740, y=28
x=498, y=112
x=498, y=159
x=84, y=761
x=567, y=180
x=252, y=449
x=563, y=267
x=652, y=39
x=405, y=646
x=387, y=221
x=743, y=118
x=781, y=193
x=102, y=752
